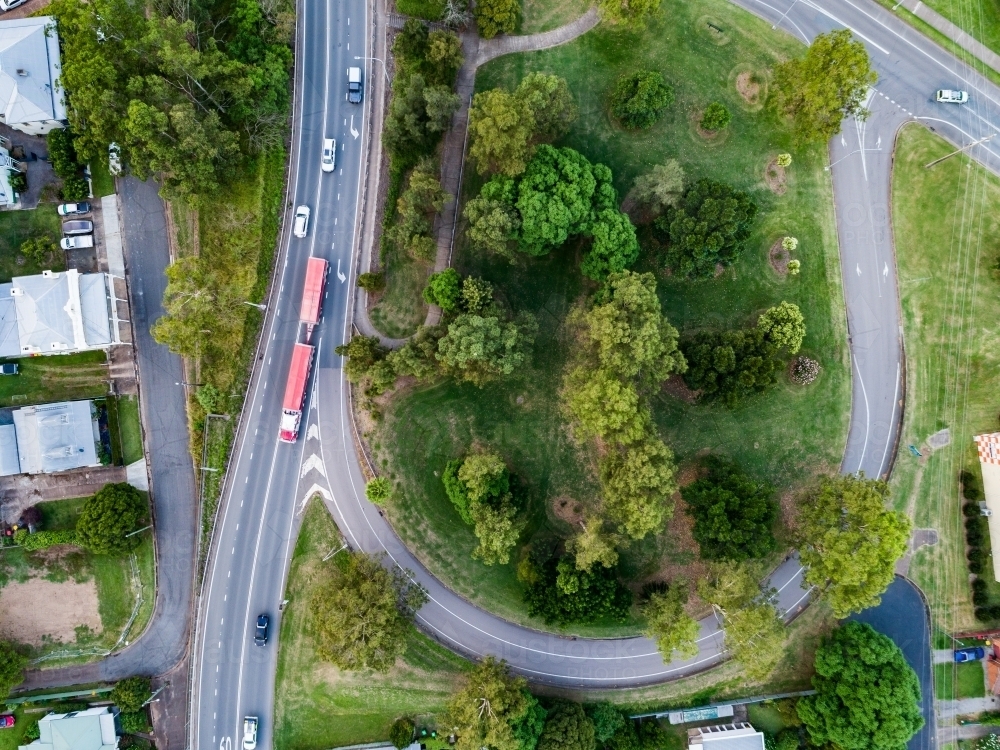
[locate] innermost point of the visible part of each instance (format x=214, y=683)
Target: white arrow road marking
x=313, y=462
x=885, y=271
x=878, y=143
x=313, y=433
x=339, y=274
x=843, y=142
x=314, y=490
x=859, y=269
x=354, y=132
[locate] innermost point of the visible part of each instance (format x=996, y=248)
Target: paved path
x=941, y=24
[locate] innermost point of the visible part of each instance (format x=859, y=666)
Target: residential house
x=92, y=729
x=988, y=448
x=31, y=97
x=738, y=736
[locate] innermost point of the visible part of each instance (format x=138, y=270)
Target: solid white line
x=864, y=393
x=892, y=420
x=830, y=15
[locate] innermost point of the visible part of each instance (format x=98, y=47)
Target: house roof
x=9, y=462
x=93, y=729
x=29, y=71
x=741, y=736
x=55, y=437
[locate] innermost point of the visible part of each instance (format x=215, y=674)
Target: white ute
x=329, y=162
x=301, y=226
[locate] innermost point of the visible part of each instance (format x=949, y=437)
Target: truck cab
x=354, y=93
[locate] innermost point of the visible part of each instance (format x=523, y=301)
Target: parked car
x=329, y=162
x=8, y=369
x=260, y=634
x=249, y=732
x=72, y=209
x=80, y=242
x=114, y=159
x=947, y=96
x=6, y=722
x=6, y=5
x=78, y=226
x=301, y=226
x=973, y=653
x=354, y=94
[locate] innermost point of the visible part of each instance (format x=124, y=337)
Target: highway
x=268, y=481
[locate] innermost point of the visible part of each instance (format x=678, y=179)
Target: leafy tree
x=444, y=290
x=418, y=114
x=75, y=188
x=830, y=83
x=18, y=182
x=558, y=592
x=40, y=250
x=362, y=353
x=410, y=46
x=638, y=481
x=363, y=612
x=444, y=57
x=668, y=624
x=456, y=490
x=730, y=366
x=501, y=126
x=710, y=226
x=108, y=517
x=628, y=13
x=485, y=477
x=615, y=246
x=662, y=187
x=550, y=102
x=867, y=697
x=378, y=490
x=639, y=99
x=604, y=405
x=401, y=732
x=477, y=295
x=794, y=266
x=851, y=541
x=784, y=326
x=494, y=222
x=479, y=487
x=592, y=546
x=415, y=209
x=496, y=17
x=12, y=664
x=528, y=728
x=129, y=694
x=497, y=528
x=733, y=512
x=784, y=160
x=418, y=356
x=567, y=728
x=489, y=707
x=715, y=117
x=480, y=349
x=372, y=282
x=62, y=155
x=608, y=720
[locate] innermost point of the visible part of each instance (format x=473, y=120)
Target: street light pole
x=255, y=304
x=357, y=57
x=964, y=148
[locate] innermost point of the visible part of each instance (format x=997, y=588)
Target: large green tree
x=487, y=712
x=108, y=517
x=604, y=405
x=615, y=246
x=668, y=624
x=129, y=694
x=362, y=613
x=631, y=14
x=559, y=592
x=480, y=349
x=494, y=222
x=638, y=481
x=850, y=541
x=567, y=728
x=496, y=17
x=662, y=187
x=639, y=99
x=592, y=546
x=827, y=85
x=500, y=129
x=550, y=102
x=868, y=697
x=12, y=664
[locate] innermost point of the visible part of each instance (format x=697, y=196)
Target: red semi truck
x=295, y=392
x=312, y=294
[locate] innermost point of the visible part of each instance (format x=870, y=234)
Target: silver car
x=78, y=226
x=80, y=242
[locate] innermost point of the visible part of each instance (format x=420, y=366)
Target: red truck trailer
x=295, y=392
x=312, y=294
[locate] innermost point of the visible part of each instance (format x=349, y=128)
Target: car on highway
x=300, y=227
x=8, y=369
x=80, y=242
x=329, y=162
x=947, y=96
x=260, y=634
x=354, y=92
x=78, y=226
x=72, y=209
x=973, y=653
x=249, y=732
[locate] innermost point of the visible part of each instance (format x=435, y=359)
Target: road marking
x=313, y=433
x=885, y=271
x=827, y=13
x=354, y=132
x=339, y=274
x=338, y=196
x=314, y=462
x=859, y=273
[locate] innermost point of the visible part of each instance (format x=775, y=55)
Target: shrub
x=971, y=510
x=805, y=370
x=135, y=722
x=794, y=266
x=108, y=517
x=210, y=398
x=994, y=611
x=639, y=100
x=715, y=117
x=496, y=17
x=45, y=539
x=378, y=490
x=975, y=567
x=401, y=732
x=12, y=664
x=75, y=188
x=784, y=160
x=130, y=693
x=31, y=732
x=980, y=598
x=61, y=153
x=372, y=282
x=39, y=249
x=790, y=243
x=978, y=585
x=970, y=486
x=976, y=553
x=983, y=614
x=19, y=182
x=444, y=289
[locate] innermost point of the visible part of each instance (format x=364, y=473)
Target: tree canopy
x=401, y=732
x=480, y=349
x=567, y=728
x=559, y=592
x=733, y=513
x=662, y=187
x=363, y=612
x=668, y=624
x=420, y=200
x=108, y=517
x=639, y=99
x=129, y=694
x=496, y=17
x=12, y=664
x=709, y=226
x=868, y=697
x=631, y=14
x=851, y=541
x=638, y=481
x=827, y=85
x=592, y=546
x=489, y=709
x=444, y=289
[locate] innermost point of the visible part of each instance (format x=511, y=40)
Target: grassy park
x=786, y=436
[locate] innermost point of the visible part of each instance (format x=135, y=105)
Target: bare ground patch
x=747, y=87
x=778, y=257
x=775, y=177
x=676, y=387
x=568, y=510
x=39, y=610
x=638, y=212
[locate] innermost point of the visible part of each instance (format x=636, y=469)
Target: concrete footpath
x=941, y=24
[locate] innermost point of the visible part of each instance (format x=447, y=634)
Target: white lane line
x=864, y=393
x=830, y=15
x=892, y=420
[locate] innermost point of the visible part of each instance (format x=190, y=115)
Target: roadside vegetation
x=948, y=287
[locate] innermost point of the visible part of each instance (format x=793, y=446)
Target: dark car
x=260, y=635
x=8, y=369
x=6, y=722
x=78, y=226
x=974, y=653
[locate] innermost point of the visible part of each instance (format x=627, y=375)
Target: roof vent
x=49, y=275
x=22, y=72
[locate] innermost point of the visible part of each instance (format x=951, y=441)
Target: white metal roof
x=55, y=437
x=29, y=71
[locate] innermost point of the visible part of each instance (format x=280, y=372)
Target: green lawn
x=786, y=436
x=103, y=182
x=18, y=226
x=978, y=19
x=943, y=220
x=431, y=10
x=316, y=705
x=957, y=681
x=545, y=15
x=130, y=428
x=56, y=377
x=400, y=308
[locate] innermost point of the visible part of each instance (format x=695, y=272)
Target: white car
x=249, y=732
x=6, y=5
x=329, y=154
x=114, y=159
x=80, y=242
x=72, y=209
x=952, y=97
x=300, y=228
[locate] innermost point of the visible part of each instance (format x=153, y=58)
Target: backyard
x=786, y=436
x=63, y=377
x=943, y=220
x=18, y=226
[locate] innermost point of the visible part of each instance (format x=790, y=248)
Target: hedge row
x=45, y=539
x=977, y=536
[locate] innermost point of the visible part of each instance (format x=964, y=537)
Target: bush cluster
x=805, y=370
x=45, y=539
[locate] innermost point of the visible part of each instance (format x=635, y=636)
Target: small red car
x=6, y=722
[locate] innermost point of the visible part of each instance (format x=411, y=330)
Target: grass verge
x=318, y=706
x=430, y=10
x=786, y=436
x=101, y=180
x=943, y=219
x=18, y=226
x=63, y=377
x=958, y=681
x=545, y=15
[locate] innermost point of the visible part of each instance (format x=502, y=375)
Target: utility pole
x=964, y=148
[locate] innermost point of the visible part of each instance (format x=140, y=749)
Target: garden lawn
x=431, y=10
x=101, y=180
x=131, y=429
x=787, y=436
x=316, y=705
x=18, y=226
x=958, y=681
x=950, y=298
x=545, y=15
x=56, y=377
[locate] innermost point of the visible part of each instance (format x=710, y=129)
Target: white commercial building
x=92, y=729
x=31, y=97
x=989, y=463
x=739, y=736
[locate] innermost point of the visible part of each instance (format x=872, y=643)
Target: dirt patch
x=748, y=88
x=569, y=510
x=676, y=387
x=38, y=610
x=686, y=563
x=639, y=213
x=774, y=176
x=778, y=257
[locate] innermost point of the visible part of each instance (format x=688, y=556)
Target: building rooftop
x=29, y=71
x=92, y=729
x=988, y=448
x=740, y=736
x=56, y=437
